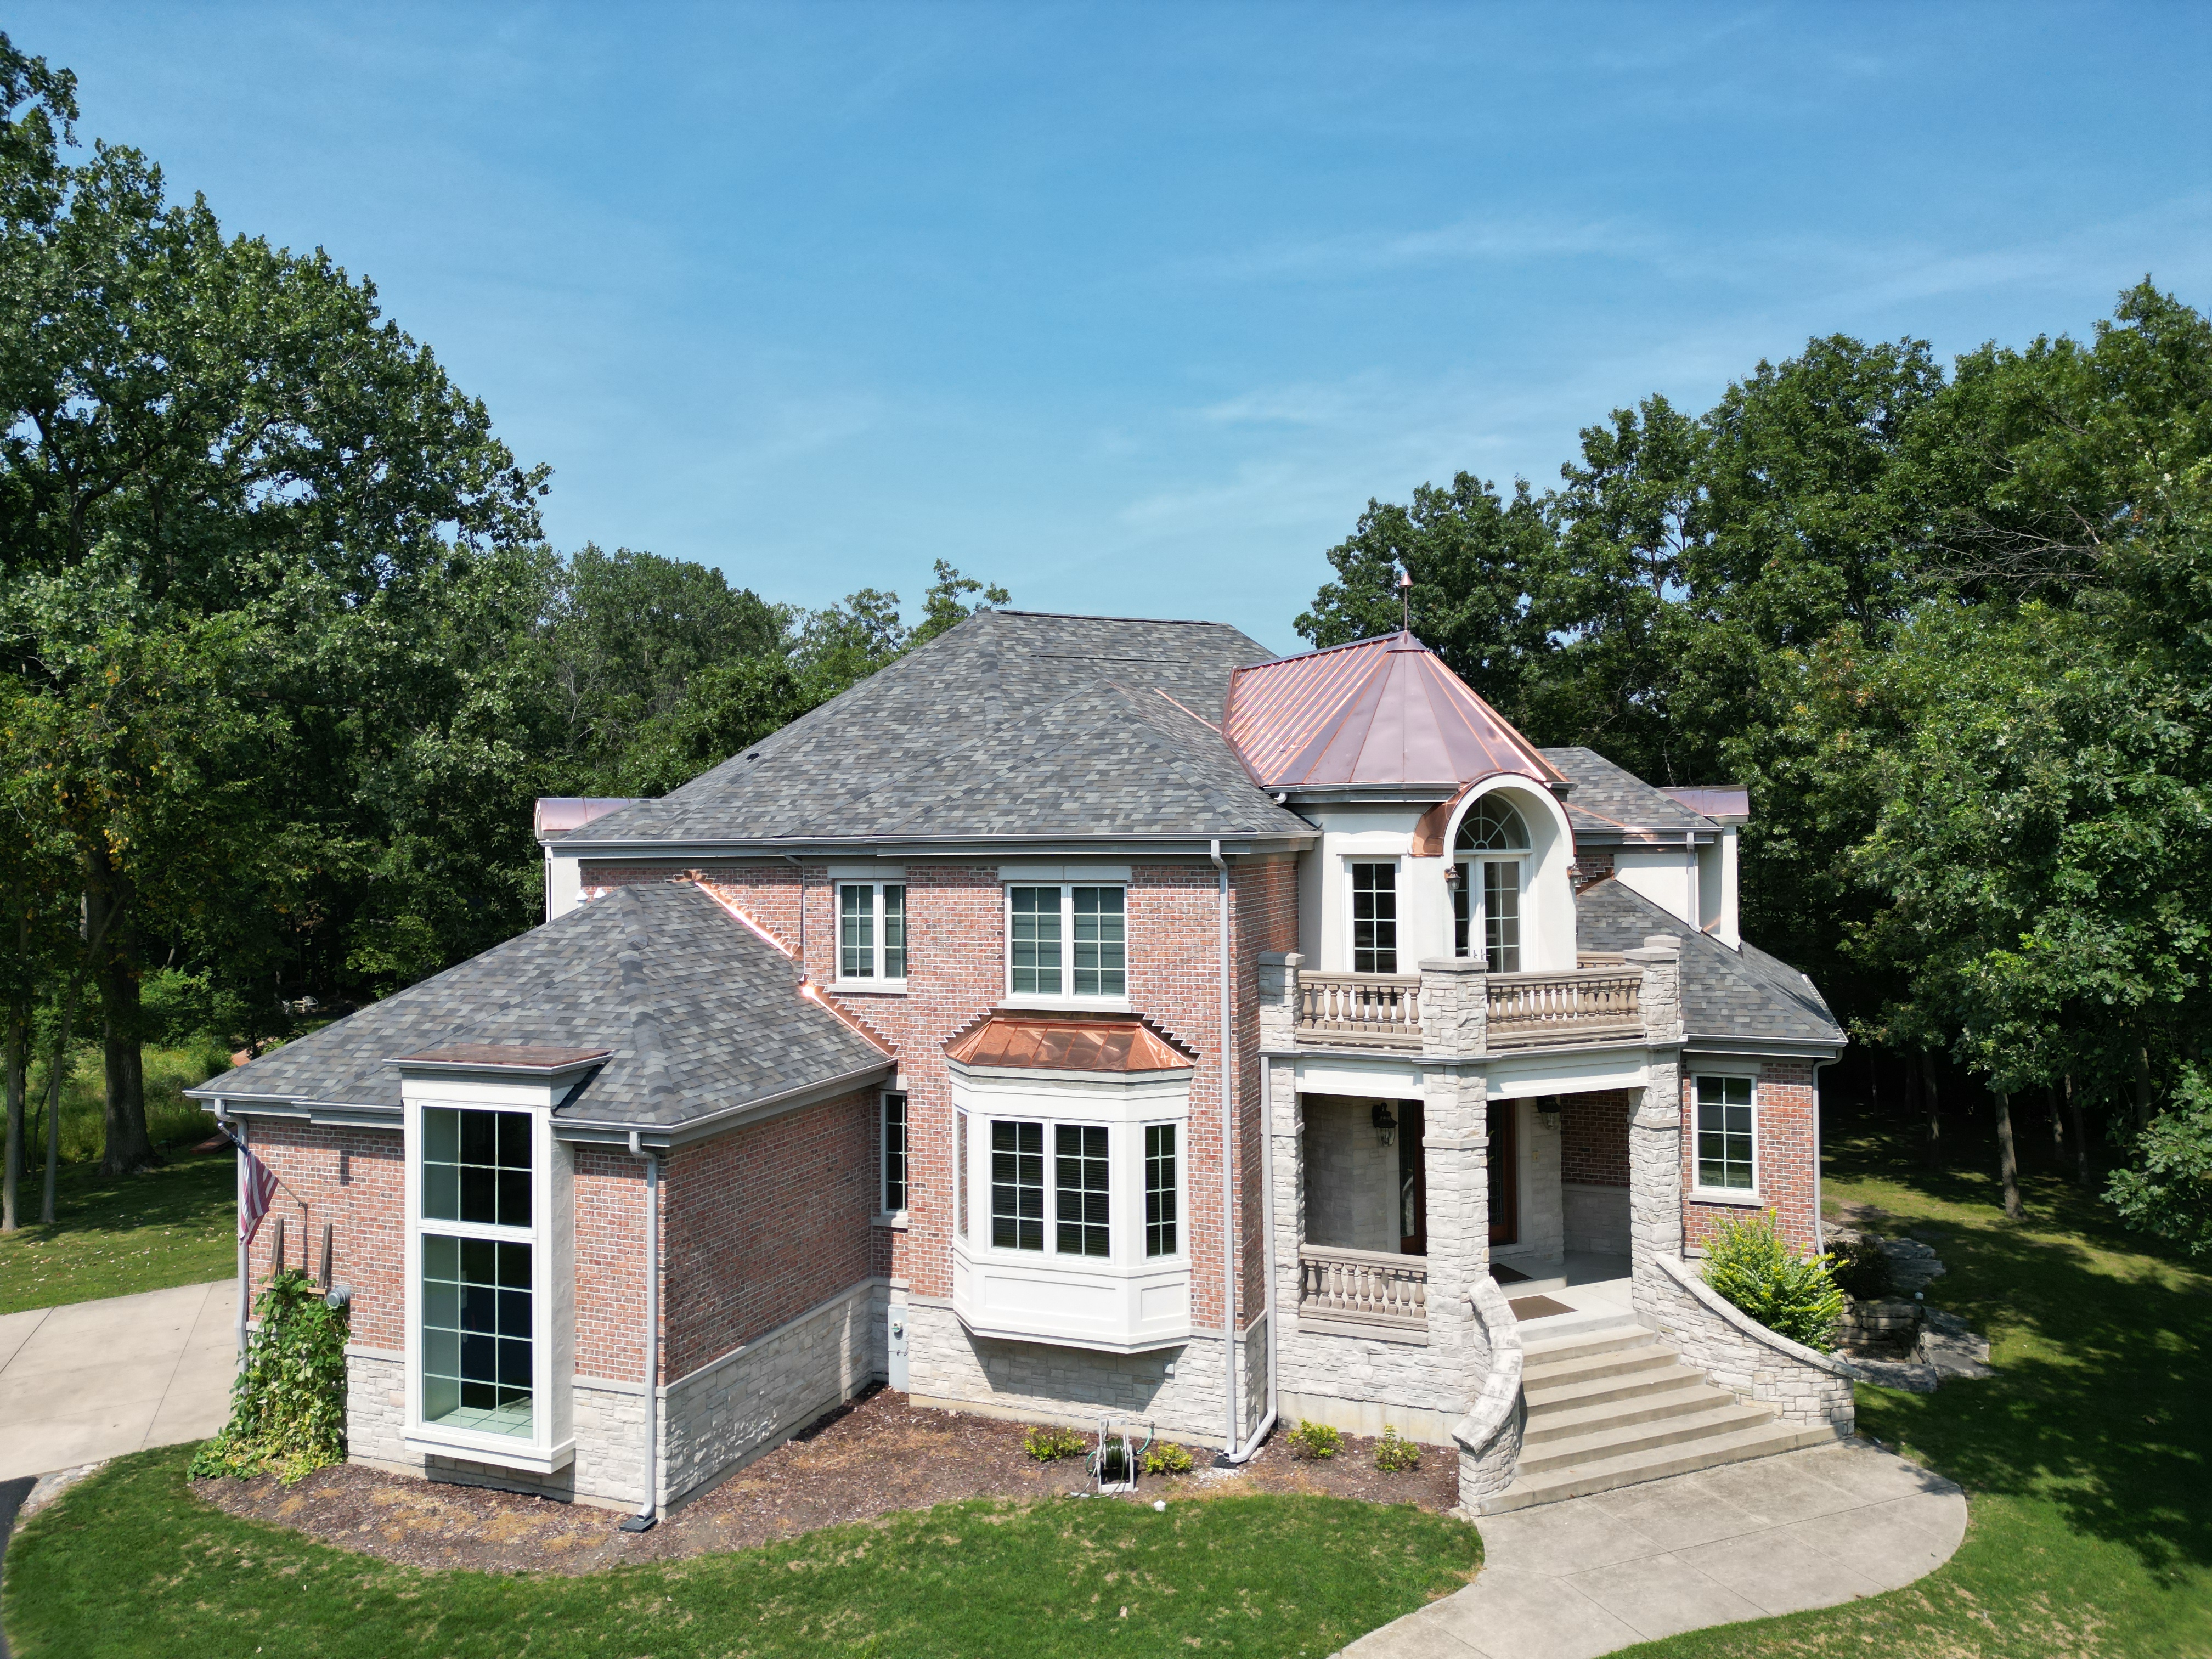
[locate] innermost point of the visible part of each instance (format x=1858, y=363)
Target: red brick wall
x=351, y=1179
x=608, y=1197
x=1594, y=1138
x=764, y=1223
x=956, y=972
x=1785, y=1150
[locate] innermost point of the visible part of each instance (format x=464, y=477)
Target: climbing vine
x=288, y=1407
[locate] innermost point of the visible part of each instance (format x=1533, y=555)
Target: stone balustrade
x=1345, y=1287
x=1466, y=1011
x=1382, y=1011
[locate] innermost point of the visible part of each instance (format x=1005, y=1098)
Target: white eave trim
x=338, y=1114
x=1699, y=1043
x=967, y=848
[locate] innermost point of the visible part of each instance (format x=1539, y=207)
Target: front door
x=1504, y=1176
x=1413, y=1182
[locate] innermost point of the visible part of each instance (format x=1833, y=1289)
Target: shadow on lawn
x=2096, y=1406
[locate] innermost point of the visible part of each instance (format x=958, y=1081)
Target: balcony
x=1599, y=1001
x=1543, y=1011
x=1360, y=1010
x=1364, y=1292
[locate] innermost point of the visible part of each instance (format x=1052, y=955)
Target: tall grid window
x=1724, y=1136
x=1018, y=1186
x=1079, y=1181
x=1486, y=898
x=871, y=930
x=1160, y=1189
x=960, y=1174
x=1374, y=918
x=1067, y=941
x=1501, y=917
x=477, y=1286
x=895, y=1144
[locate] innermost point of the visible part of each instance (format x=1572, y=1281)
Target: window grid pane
x=1501, y=917
x=1374, y=918
x=1101, y=934
x=960, y=1173
x=1080, y=1179
x=895, y=933
x=1724, y=1136
x=476, y=1334
x=476, y=1167
x=1018, y=1186
x=856, y=933
x=894, y=1153
x=1461, y=904
x=1035, y=940
x=1160, y=1189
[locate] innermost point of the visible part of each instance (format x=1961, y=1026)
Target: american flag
x=256, y=1192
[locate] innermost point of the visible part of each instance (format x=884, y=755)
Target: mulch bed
x=868, y=1458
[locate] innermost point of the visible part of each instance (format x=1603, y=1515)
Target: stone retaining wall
x=1740, y=1354
x=1489, y=1435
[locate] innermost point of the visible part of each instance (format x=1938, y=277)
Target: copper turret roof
x=1379, y=711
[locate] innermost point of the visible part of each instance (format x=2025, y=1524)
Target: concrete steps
x=1615, y=1407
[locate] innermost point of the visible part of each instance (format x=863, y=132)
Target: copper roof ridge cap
x=1318, y=651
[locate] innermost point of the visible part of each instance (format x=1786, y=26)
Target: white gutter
x=645, y=1518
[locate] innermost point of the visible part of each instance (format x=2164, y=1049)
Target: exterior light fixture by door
x=1451, y=875
x=1548, y=1107
x=1386, y=1126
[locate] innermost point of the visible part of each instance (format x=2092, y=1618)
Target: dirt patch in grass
x=869, y=1458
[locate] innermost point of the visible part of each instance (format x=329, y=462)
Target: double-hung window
x=1727, y=1159
x=1487, y=891
x=479, y=1272
x=1160, y=1190
x=894, y=1145
x=871, y=934
x=1067, y=941
x=1375, y=918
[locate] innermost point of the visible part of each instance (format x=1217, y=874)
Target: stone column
x=1655, y=1132
x=1455, y=1100
x=1279, y=1013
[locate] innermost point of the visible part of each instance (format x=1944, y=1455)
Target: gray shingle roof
x=701, y=1016
x=1725, y=994
x=1607, y=800
x=1010, y=724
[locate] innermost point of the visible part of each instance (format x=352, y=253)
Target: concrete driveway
x=97, y=1379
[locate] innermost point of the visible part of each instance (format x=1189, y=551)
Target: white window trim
x=881, y=984
x=1741, y=1198
x=1469, y=866
x=886, y=1215
x=551, y=1445
x=1397, y=863
x=1116, y=1002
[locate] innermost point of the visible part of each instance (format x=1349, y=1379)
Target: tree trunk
x=129, y=1149
x=2080, y=1137
x=63, y=1029
x=2057, y=1128
x=2142, y=1087
x=1934, y=1112
x=16, y=1062
x=2008, y=1165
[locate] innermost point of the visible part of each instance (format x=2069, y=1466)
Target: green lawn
x=114, y=1235
x=130, y=1563
x=2086, y=1459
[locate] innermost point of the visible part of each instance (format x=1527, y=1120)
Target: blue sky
x=1134, y=308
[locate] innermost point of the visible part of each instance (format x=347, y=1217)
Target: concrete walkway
x=1592, y=1575
x=97, y=1379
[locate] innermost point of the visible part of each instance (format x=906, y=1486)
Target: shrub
x=1169, y=1460
x=1862, y=1270
x=288, y=1407
x=1747, y=1263
x=1394, y=1455
x=1048, y=1444
x=1314, y=1440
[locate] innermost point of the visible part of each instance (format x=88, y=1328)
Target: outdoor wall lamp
x=1548, y=1107
x=1385, y=1125
x=1451, y=874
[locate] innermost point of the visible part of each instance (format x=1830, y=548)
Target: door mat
x=1505, y=1275
x=1537, y=1307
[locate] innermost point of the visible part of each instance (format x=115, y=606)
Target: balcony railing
x=1590, y=1004
x=1362, y=1287
x=1382, y=1011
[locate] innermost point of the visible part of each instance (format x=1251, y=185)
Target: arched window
x=1488, y=885
x=1493, y=825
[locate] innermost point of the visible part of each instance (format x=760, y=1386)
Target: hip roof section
x=697, y=1015
x=1380, y=711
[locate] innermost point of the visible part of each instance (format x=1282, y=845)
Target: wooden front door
x=1413, y=1182
x=1505, y=1176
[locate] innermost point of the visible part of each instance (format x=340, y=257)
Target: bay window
x=1067, y=941
x=872, y=934
x=477, y=1284
x=893, y=1143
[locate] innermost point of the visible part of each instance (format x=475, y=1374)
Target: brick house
x=1082, y=1019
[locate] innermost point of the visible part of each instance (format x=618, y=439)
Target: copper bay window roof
x=1068, y=1043
x=1380, y=711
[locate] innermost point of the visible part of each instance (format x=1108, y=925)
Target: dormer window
x=1491, y=853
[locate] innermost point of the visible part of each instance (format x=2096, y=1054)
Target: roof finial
x=1406, y=599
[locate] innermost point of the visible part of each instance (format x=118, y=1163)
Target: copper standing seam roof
x=1379, y=711
x=1067, y=1042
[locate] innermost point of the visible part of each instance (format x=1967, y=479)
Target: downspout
x=1267, y=1250
x=238, y=1159
x=1232, y=1453
x=647, y=1506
